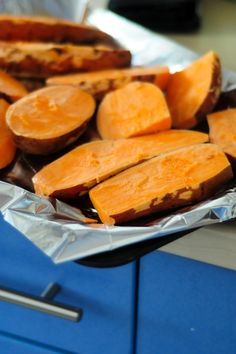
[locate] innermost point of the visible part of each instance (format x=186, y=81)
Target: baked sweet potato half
x=193, y=92
x=168, y=181
x=82, y=168
x=7, y=146
x=99, y=83
x=47, y=120
x=45, y=29
x=41, y=60
x=138, y=108
x=10, y=88
x=222, y=130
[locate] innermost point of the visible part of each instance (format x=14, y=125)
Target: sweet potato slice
x=98, y=83
x=45, y=29
x=10, y=88
x=41, y=60
x=80, y=169
x=7, y=146
x=49, y=119
x=137, y=109
x=222, y=126
x=193, y=92
x=165, y=182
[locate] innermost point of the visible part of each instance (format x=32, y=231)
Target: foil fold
x=63, y=233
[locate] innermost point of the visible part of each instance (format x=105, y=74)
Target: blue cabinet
x=16, y=345
x=107, y=297
x=185, y=307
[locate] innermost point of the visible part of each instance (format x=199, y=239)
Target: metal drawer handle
x=42, y=303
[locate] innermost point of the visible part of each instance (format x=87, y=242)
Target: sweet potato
x=165, y=182
x=193, y=92
x=10, y=88
x=222, y=126
x=49, y=119
x=41, y=60
x=45, y=29
x=138, y=108
x=77, y=171
x=7, y=146
x=98, y=83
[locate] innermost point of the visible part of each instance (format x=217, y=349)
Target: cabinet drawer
x=107, y=297
x=185, y=307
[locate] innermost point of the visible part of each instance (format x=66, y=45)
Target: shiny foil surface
x=66, y=233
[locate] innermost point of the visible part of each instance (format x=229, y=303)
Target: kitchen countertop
x=217, y=32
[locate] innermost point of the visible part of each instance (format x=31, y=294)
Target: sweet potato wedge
x=222, y=129
x=47, y=120
x=45, y=29
x=10, y=88
x=7, y=146
x=41, y=60
x=82, y=168
x=138, y=108
x=168, y=181
x=193, y=92
x=98, y=83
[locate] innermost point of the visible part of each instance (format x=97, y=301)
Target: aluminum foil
x=64, y=233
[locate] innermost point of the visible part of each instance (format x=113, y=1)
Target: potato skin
x=193, y=92
x=98, y=87
x=48, y=146
x=213, y=94
x=170, y=202
x=45, y=29
x=42, y=60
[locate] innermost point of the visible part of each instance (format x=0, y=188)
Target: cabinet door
x=10, y=344
x=185, y=307
x=107, y=297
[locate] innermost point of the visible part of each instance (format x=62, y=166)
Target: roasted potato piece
x=49, y=119
x=171, y=180
x=91, y=163
x=222, y=126
x=137, y=109
x=193, y=92
x=49, y=29
x=10, y=88
x=41, y=60
x=7, y=146
x=99, y=83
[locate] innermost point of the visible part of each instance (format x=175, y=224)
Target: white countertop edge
x=214, y=244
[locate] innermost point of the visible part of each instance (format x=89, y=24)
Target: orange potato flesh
x=50, y=112
x=98, y=83
x=193, y=92
x=10, y=87
x=77, y=171
x=222, y=126
x=231, y=152
x=7, y=146
x=137, y=109
x=170, y=180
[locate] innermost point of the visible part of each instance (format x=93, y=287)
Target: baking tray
x=67, y=232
